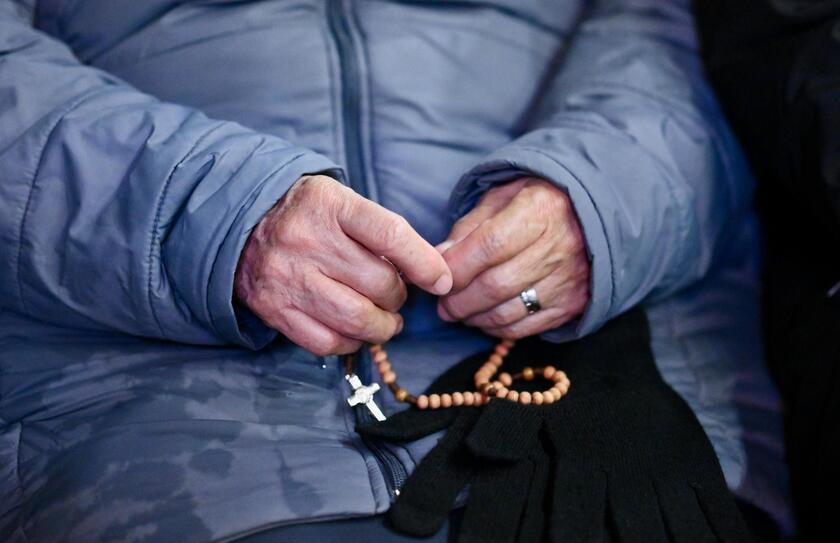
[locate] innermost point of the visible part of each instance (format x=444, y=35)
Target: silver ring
x=529, y=298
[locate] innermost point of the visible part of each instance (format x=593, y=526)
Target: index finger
x=387, y=234
x=494, y=241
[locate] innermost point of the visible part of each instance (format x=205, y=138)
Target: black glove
x=627, y=459
x=429, y=494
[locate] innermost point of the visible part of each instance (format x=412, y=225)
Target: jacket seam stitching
x=153, y=238
x=20, y=481
x=42, y=156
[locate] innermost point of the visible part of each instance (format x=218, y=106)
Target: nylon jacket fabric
x=141, y=141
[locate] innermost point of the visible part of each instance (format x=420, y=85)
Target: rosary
x=486, y=387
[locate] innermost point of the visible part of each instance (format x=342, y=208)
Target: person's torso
x=406, y=95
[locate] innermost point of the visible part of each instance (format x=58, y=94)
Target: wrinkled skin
x=520, y=235
x=313, y=268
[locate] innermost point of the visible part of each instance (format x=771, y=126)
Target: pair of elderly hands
x=323, y=266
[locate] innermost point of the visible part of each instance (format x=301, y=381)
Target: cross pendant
x=364, y=395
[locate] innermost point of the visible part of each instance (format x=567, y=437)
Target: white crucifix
x=363, y=394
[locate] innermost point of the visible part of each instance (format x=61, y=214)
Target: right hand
x=312, y=268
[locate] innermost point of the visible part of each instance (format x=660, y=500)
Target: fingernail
x=443, y=314
x=444, y=245
x=400, y=324
x=443, y=285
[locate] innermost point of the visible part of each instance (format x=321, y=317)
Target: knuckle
x=571, y=241
x=453, y=309
x=345, y=346
x=356, y=310
x=393, y=233
x=499, y=318
x=357, y=318
x=492, y=283
x=462, y=226
x=491, y=242
x=513, y=332
x=495, y=332
x=393, y=297
x=400, y=293
x=349, y=346
x=327, y=345
x=321, y=347
x=316, y=185
x=384, y=334
x=386, y=287
x=548, y=198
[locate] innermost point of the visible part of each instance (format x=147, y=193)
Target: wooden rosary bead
x=563, y=387
x=485, y=388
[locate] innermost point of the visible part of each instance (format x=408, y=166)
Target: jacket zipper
x=393, y=471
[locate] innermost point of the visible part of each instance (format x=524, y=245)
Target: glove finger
x=682, y=513
x=634, y=509
x=578, y=506
x=410, y=424
x=533, y=527
x=430, y=491
x=721, y=511
x=497, y=498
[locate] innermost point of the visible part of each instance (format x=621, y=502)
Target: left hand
x=523, y=234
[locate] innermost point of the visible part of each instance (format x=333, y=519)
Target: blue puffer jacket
x=140, y=141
